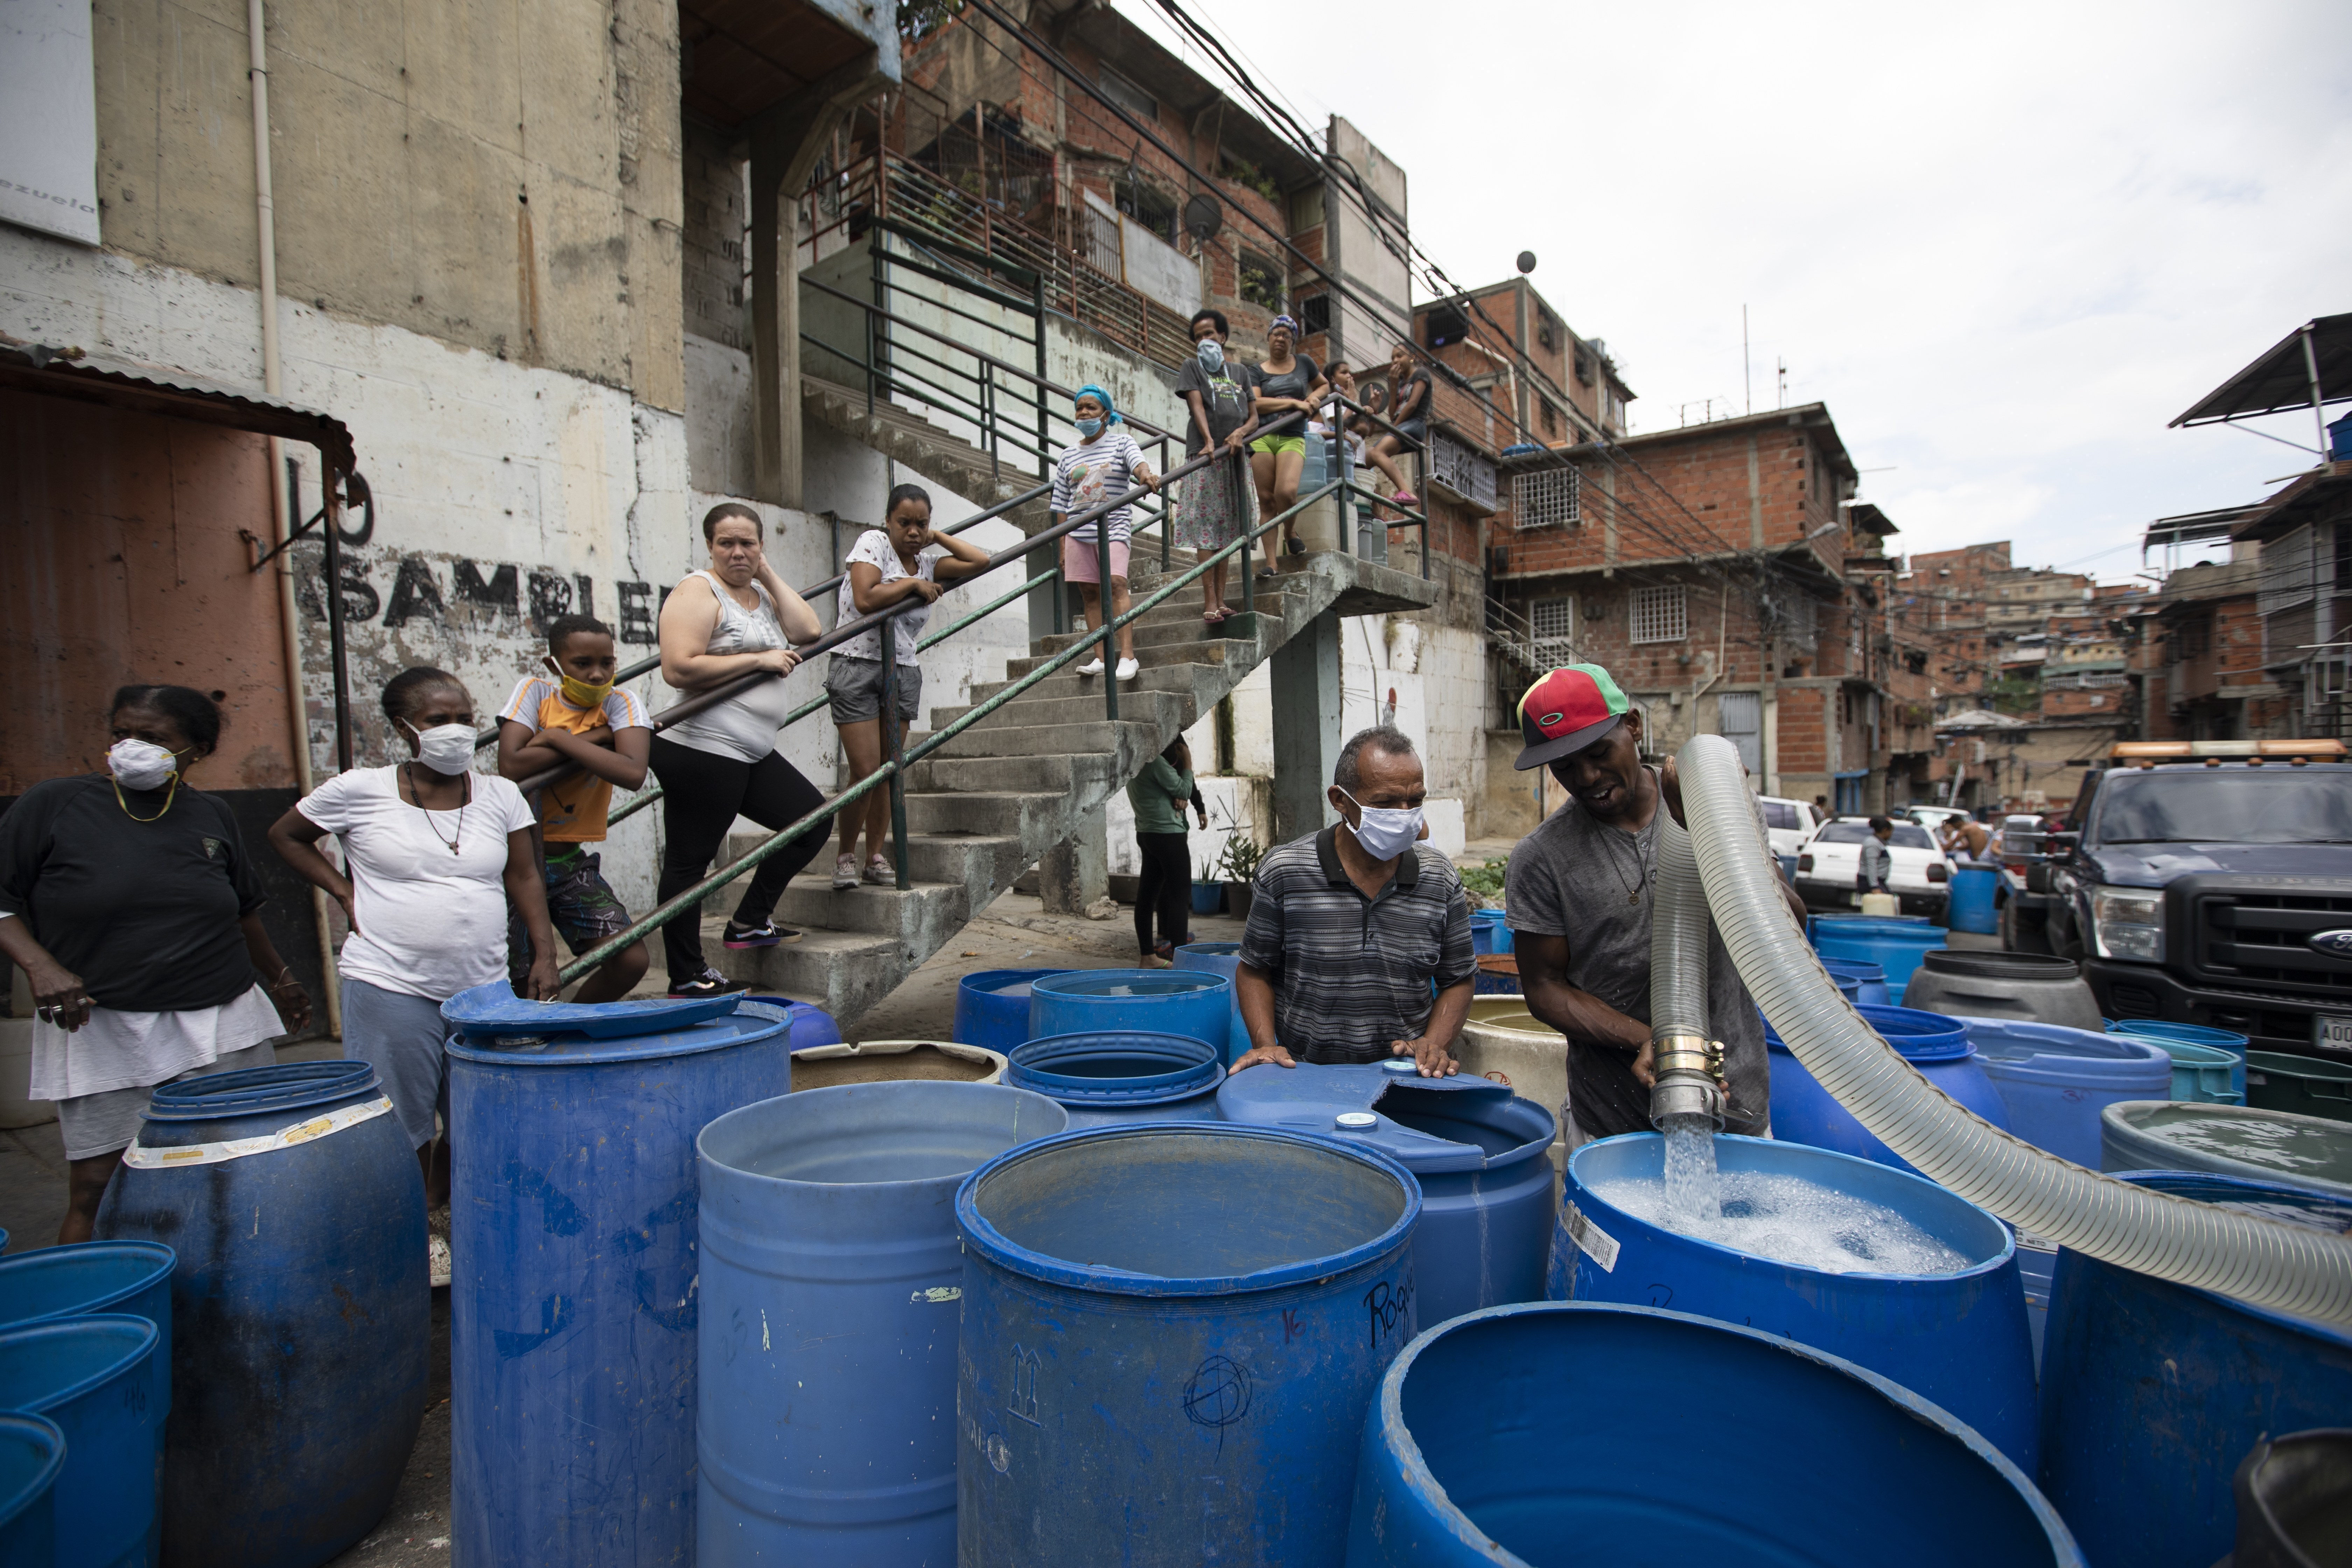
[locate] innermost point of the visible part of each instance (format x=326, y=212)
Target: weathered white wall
x=504, y=494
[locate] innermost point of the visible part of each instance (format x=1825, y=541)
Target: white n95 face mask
x=140, y=764
x=444, y=748
x=1386, y=831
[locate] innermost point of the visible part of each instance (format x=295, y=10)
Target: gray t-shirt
x=1578, y=877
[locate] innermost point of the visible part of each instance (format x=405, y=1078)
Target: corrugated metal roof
x=73, y=372
x=2281, y=379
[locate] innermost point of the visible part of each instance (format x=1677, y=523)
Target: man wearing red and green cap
x=1579, y=897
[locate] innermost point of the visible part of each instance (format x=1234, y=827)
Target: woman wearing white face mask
x=129, y=901
x=435, y=849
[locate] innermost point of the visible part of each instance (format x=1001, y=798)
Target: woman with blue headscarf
x=1103, y=464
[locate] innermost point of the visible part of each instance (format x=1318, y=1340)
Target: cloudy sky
x=2005, y=244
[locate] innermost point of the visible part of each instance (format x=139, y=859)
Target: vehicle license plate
x=2333, y=1030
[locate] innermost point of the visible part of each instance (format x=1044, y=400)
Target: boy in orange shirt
x=575, y=714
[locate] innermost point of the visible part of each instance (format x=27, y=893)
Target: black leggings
x=702, y=794
x=1166, y=886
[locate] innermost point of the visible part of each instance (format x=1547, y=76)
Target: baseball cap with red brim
x=1566, y=711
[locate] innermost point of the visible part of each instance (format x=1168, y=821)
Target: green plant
x=1486, y=880
x=1239, y=861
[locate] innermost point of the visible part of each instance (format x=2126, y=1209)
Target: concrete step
x=845, y=972
x=1182, y=679
x=1186, y=631
x=1049, y=740
x=884, y=910
x=1065, y=774
x=1162, y=708
x=1005, y=815
x=1149, y=657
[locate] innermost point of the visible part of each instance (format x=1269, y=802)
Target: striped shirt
x=1352, y=974
x=1086, y=476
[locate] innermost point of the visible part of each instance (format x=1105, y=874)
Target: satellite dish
x=1526, y=261
x=1203, y=216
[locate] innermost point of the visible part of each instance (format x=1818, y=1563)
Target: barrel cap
x=1402, y=1114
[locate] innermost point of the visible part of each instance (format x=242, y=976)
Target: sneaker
x=1093, y=667
x=880, y=872
x=710, y=982
x=1295, y=547
x=767, y=933
x=1128, y=670
x=845, y=872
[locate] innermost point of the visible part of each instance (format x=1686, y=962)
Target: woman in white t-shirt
x=886, y=566
x=434, y=851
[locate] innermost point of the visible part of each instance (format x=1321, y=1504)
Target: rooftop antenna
x=1783, y=402
x=1747, y=376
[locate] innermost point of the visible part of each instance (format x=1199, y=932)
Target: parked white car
x=1787, y=823
x=1920, y=878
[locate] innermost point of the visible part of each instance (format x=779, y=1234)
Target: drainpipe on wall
x=281, y=500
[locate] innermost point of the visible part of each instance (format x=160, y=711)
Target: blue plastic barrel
x=2201, y=1073
x=992, y=1008
x=32, y=1456
x=94, y=1377
x=2225, y=1040
x=301, y=1314
x=807, y=1024
x=132, y=1277
x=1970, y=908
x=1221, y=958
x=573, y=1303
x=826, y=1430
x=1870, y=980
x=1804, y=1112
x=2152, y=1393
x=1171, y=1332
x=2307, y=1151
x=1568, y=1434
x=1189, y=1002
x=1960, y=1340
x=1207, y=897
x=2036, y=1262
x=1487, y=1190
x=2054, y=1080
x=1894, y=945
x=1122, y=1075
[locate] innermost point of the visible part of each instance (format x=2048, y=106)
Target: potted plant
x=1238, y=867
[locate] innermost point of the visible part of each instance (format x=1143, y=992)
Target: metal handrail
x=893, y=771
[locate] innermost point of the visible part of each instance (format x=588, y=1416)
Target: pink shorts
x=1078, y=561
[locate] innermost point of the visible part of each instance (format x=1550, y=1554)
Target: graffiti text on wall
x=489, y=596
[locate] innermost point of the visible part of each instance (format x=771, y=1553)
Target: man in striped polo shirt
x=1350, y=926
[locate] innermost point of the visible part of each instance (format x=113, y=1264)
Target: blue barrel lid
x=491, y=1011
x=1213, y=948
x=1124, y=984
x=2016, y=1049
x=1115, y=1067
x=288, y=1086
x=750, y=1023
x=1432, y=1126
x=983, y=1236
x=32, y=1452
x=1859, y=968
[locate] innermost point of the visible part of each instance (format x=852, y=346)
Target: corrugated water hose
x=2291, y=1268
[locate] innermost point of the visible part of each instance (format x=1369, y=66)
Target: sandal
x=1405, y=497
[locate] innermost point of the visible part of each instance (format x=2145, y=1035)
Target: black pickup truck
x=2209, y=882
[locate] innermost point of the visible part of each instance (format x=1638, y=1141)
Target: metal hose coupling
x=1689, y=1081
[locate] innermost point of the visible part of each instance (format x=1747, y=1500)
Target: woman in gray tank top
x=717, y=626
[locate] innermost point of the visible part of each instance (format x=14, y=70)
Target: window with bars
x=1552, y=623
x=1661, y=614
x=2287, y=574
x=1551, y=498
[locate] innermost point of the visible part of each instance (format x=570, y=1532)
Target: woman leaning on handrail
x=734, y=618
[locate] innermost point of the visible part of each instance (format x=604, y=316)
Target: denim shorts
x=856, y=686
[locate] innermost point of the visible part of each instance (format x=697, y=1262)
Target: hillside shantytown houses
x=535, y=298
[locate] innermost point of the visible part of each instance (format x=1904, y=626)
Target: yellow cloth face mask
x=580, y=694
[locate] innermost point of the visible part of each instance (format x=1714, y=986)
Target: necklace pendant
x=1633, y=899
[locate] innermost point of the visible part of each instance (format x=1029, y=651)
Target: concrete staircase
x=985, y=807
x=937, y=453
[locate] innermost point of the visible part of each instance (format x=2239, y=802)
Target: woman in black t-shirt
x=127, y=899
x=1287, y=384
